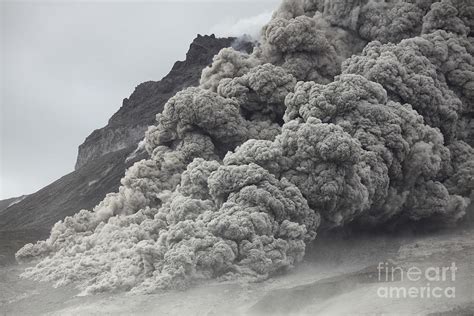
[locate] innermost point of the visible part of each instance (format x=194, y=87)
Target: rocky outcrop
x=126, y=127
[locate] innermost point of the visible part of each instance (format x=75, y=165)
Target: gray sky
x=66, y=66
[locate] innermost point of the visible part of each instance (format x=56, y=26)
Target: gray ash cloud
x=345, y=112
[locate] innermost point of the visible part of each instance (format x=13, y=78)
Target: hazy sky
x=66, y=66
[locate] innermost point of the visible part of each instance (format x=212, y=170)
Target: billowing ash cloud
x=346, y=113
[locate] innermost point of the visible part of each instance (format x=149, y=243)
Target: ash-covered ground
x=339, y=276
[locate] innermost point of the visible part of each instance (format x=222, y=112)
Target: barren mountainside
x=101, y=159
x=127, y=126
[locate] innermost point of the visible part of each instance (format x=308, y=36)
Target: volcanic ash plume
x=346, y=113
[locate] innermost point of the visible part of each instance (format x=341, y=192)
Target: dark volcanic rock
x=127, y=126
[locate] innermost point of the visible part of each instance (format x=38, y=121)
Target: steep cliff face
x=126, y=127
x=102, y=157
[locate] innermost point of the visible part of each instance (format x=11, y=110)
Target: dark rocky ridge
x=102, y=157
x=127, y=126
